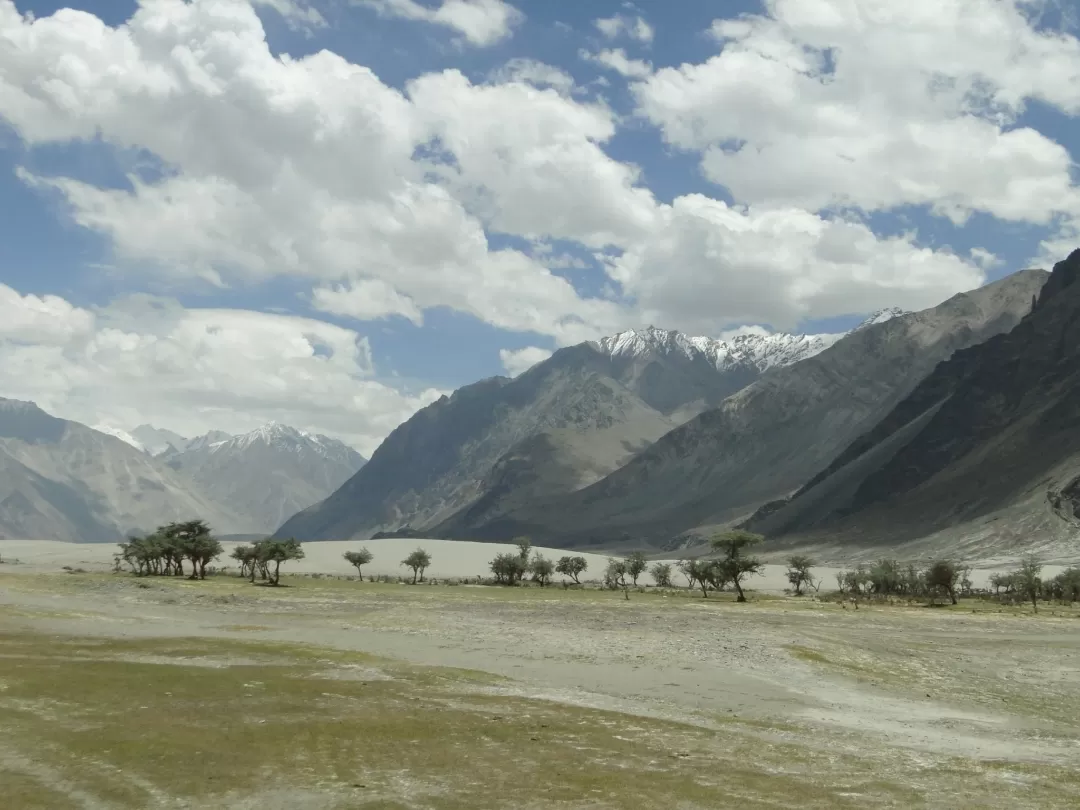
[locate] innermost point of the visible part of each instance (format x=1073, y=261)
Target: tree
x=1028, y=581
x=524, y=545
x=798, y=573
x=636, y=565
x=661, y=574
x=615, y=574
x=359, y=558
x=508, y=568
x=541, y=569
x=735, y=563
x=943, y=575
x=418, y=561
x=886, y=577
x=191, y=540
x=702, y=573
x=271, y=553
x=572, y=567
x=245, y=555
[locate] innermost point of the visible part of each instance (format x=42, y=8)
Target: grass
x=140, y=721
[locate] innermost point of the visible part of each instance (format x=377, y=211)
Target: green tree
x=798, y=573
x=615, y=574
x=541, y=569
x=661, y=574
x=508, y=568
x=358, y=559
x=943, y=575
x=1028, y=580
x=271, y=553
x=735, y=563
x=636, y=565
x=886, y=577
x=524, y=545
x=245, y=555
x=418, y=561
x=572, y=567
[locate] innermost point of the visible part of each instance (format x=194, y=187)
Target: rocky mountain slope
x=61, y=480
x=267, y=475
x=502, y=443
x=771, y=437
x=984, y=454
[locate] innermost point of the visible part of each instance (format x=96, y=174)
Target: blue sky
x=667, y=240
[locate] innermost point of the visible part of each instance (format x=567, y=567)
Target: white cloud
x=619, y=25
x=985, y=259
x=481, y=22
x=617, y=60
x=366, y=300
x=516, y=361
x=145, y=359
x=876, y=105
x=708, y=264
x=299, y=16
x=538, y=74
x=305, y=168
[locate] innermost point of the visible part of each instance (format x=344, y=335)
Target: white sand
x=449, y=559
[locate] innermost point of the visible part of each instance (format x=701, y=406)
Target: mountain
x=984, y=454
x=500, y=444
x=61, y=480
x=156, y=441
x=268, y=474
x=765, y=441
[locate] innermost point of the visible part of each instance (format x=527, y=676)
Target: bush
x=508, y=568
x=661, y=574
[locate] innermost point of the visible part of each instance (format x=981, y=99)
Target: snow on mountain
x=748, y=350
x=285, y=438
x=881, y=316
x=122, y=435
x=157, y=441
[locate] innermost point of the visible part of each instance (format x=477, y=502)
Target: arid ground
x=120, y=692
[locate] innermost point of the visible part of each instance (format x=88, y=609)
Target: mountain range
x=983, y=455
x=61, y=480
x=502, y=444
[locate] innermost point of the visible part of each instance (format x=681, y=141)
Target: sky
x=219, y=213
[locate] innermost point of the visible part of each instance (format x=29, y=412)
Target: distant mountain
x=500, y=444
x=983, y=455
x=61, y=480
x=268, y=474
x=768, y=439
x=156, y=441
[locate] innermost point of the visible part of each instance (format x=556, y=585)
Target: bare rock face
x=60, y=480
x=762, y=443
x=565, y=423
x=983, y=455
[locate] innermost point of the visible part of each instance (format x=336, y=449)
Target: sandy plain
x=124, y=692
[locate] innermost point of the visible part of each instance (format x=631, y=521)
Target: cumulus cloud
x=617, y=60
x=516, y=361
x=147, y=359
x=385, y=199
x=876, y=105
x=622, y=25
x=534, y=72
x=778, y=266
x=481, y=22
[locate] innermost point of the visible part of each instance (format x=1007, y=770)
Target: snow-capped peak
x=122, y=435
x=751, y=349
x=881, y=316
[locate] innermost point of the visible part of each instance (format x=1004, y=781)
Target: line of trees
x=165, y=552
